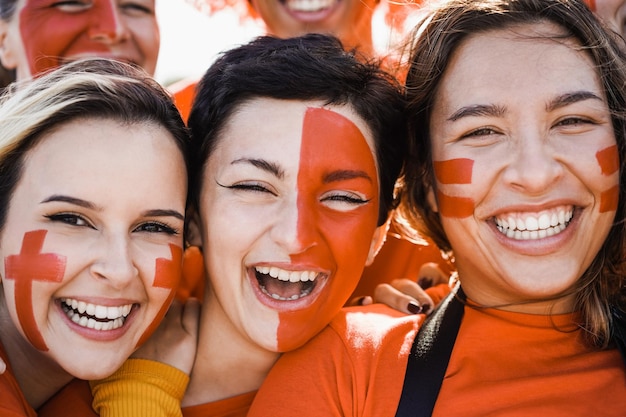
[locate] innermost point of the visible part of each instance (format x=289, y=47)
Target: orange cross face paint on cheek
x=608, y=159
x=334, y=155
x=453, y=172
x=32, y=265
x=41, y=18
x=167, y=276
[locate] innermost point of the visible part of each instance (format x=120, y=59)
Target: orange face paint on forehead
x=167, y=275
x=32, y=265
x=49, y=34
x=334, y=154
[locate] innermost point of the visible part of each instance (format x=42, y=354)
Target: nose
x=535, y=166
x=107, y=25
x=295, y=227
x=114, y=262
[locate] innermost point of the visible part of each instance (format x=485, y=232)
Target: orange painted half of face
x=32, y=265
x=167, y=276
x=334, y=155
x=39, y=19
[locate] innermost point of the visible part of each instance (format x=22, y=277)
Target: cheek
x=608, y=160
x=28, y=266
x=166, y=277
x=453, y=174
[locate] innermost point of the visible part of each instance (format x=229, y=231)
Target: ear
x=194, y=229
x=7, y=57
x=379, y=237
x=431, y=199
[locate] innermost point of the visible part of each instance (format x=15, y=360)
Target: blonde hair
x=90, y=88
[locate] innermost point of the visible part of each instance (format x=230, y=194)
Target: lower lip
x=98, y=335
x=539, y=247
x=286, y=305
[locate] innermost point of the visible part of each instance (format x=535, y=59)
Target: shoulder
x=372, y=326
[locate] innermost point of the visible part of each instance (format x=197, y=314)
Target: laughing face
x=526, y=165
x=46, y=33
x=349, y=20
x=91, y=254
x=289, y=207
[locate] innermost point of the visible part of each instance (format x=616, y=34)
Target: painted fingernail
x=425, y=282
x=414, y=308
x=425, y=308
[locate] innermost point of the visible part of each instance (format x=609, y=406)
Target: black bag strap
x=430, y=355
x=618, y=329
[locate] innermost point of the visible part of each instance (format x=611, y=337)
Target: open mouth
x=284, y=285
x=94, y=316
x=535, y=226
x=308, y=6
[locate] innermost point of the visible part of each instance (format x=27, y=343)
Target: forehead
x=528, y=59
x=100, y=148
x=267, y=123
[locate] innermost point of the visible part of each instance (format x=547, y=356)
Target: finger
x=399, y=300
x=364, y=300
x=431, y=274
x=367, y=300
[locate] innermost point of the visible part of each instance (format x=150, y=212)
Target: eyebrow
x=570, y=98
x=71, y=200
x=477, y=110
x=345, y=174
x=91, y=206
x=497, y=111
x=262, y=164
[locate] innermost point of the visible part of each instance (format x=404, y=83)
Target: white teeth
x=532, y=227
x=287, y=276
x=309, y=5
x=95, y=316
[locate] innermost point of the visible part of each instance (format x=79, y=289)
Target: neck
x=227, y=364
x=517, y=303
x=38, y=376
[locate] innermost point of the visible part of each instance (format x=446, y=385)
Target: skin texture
x=532, y=120
x=101, y=235
x=349, y=20
x=45, y=33
x=273, y=198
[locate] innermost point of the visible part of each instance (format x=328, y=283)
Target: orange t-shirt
x=12, y=401
x=230, y=407
x=503, y=363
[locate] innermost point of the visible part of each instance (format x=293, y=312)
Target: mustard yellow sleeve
x=140, y=388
